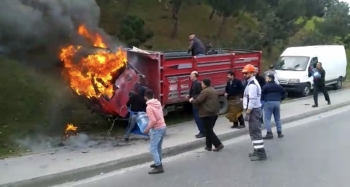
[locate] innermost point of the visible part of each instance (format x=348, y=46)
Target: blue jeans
x=156, y=141
x=198, y=121
x=132, y=124
x=272, y=107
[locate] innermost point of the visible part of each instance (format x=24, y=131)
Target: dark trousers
x=210, y=138
x=255, y=128
x=198, y=121
x=322, y=88
x=240, y=120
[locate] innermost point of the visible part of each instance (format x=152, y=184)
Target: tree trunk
x=212, y=14
x=175, y=16
x=222, y=27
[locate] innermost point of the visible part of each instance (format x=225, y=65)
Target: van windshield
x=293, y=63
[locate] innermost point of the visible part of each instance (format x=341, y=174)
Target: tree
x=176, y=5
x=225, y=9
x=132, y=31
x=337, y=21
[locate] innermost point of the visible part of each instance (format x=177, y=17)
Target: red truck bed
x=167, y=74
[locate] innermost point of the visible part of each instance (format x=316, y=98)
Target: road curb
x=90, y=171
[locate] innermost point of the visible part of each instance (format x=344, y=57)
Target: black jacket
x=234, y=88
x=196, y=88
x=273, y=92
x=261, y=80
x=196, y=47
x=137, y=103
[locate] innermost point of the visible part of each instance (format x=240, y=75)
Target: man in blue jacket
x=272, y=94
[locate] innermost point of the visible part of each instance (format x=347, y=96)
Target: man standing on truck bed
x=234, y=92
x=196, y=46
x=252, y=107
x=195, y=90
x=319, y=75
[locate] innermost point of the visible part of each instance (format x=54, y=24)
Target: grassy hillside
x=192, y=19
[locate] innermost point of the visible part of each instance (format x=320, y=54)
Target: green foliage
x=133, y=32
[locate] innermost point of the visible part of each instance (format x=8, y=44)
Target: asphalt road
x=314, y=154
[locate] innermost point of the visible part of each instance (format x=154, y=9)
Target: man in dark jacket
x=136, y=103
x=234, y=93
x=208, y=110
x=319, y=75
x=262, y=83
x=195, y=90
x=196, y=46
x=272, y=94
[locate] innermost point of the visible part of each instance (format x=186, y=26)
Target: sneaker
x=280, y=135
x=234, y=126
x=217, y=149
x=268, y=136
x=253, y=153
x=259, y=156
x=200, y=135
x=314, y=106
x=156, y=170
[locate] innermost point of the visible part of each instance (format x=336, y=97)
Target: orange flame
x=92, y=75
x=70, y=127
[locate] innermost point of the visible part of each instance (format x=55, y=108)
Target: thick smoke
x=45, y=25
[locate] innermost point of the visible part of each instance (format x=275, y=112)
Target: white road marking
x=306, y=121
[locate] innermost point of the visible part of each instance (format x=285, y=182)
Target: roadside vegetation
x=39, y=101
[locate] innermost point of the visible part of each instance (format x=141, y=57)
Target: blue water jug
x=316, y=74
x=142, y=120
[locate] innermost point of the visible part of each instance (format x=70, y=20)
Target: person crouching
x=156, y=129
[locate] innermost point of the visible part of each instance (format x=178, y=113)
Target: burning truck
x=107, y=77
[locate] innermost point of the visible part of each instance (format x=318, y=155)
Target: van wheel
x=339, y=84
x=223, y=105
x=306, y=90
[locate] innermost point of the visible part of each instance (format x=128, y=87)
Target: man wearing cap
x=272, y=94
x=252, y=107
x=195, y=90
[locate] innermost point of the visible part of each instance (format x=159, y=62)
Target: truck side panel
x=175, y=72
x=242, y=59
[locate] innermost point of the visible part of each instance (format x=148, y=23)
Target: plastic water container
x=142, y=120
x=316, y=74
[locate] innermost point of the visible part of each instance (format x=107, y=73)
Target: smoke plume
x=45, y=25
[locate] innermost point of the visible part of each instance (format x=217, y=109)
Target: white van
x=293, y=64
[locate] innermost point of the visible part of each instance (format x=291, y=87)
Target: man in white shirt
x=252, y=107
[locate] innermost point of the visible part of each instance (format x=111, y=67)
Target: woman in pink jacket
x=157, y=129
